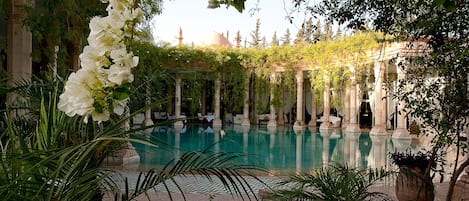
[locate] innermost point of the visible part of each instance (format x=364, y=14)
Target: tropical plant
x=434, y=91
x=50, y=154
x=332, y=183
x=42, y=166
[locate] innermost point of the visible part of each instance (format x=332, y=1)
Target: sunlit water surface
x=281, y=151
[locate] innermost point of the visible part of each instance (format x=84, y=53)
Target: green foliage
x=434, y=90
x=420, y=159
x=333, y=183
x=203, y=163
x=47, y=155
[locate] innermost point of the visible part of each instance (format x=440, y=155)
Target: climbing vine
x=332, y=58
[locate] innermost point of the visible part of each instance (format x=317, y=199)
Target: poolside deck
x=197, y=188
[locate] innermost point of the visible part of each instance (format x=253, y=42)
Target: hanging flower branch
x=101, y=85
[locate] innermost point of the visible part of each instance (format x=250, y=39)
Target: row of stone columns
x=351, y=105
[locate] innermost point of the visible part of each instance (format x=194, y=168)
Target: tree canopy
x=433, y=85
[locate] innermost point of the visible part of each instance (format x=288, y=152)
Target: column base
x=378, y=130
x=280, y=122
x=246, y=122
x=148, y=122
x=217, y=123
x=345, y=125
x=312, y=123
x=127, y=156
x=401, y=133
x=325, y=125
x=353, y=128
x=272, y=123
x=299, y=125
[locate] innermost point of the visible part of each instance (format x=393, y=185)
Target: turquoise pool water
x=282, y=151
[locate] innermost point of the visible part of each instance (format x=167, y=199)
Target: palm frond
x=209, y=165
x=332, y=183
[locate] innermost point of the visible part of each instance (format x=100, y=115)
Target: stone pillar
x=280, y=119
x=217, y=120
x=353, y=127
x=204, y=98
x=299, y=100
x=177, y=105
x=401, y=131
x=148, y=121
x=272, y=118
x=19, y=48
x=346, y=107
x=379, y=128
x=246, y=121
x=313, y=121
x=326, y=124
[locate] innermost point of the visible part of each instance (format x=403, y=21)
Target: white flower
x=119, y=106
x=77, y=97
x=123, y=58
x=105, y=65
x=93, y=58
x=120, y=75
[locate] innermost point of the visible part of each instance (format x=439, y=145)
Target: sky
x=197, y=21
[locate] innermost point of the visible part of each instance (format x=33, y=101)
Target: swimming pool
x=281, y=151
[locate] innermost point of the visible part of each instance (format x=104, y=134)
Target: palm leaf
x=209, y=165
x=332, y=183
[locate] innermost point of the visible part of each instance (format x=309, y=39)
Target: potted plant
x=413, y=181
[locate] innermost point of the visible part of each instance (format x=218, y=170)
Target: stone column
x=346, y=107
x=313, y=121
x=148, y=121
x=246, y=121
x=19, y=48
x=401, y=131
x=217, y=120
x=299, y=100
x=272, y=118
x=177, y=105
x=353, y=127
x=327, y=105
x=280, y=119
x=379, y=128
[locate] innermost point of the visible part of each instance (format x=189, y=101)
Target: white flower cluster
x=101, y=85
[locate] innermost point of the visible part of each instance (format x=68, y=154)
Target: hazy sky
x=196, y=20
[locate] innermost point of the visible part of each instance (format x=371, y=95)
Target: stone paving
x=199, y=188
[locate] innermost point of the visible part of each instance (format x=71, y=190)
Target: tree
x=441, y=25
x=64, y=25
x=256, y=35
x=317, y=33
x=327, y=35
x=275, y=41
x=338, y=33
x=300, y=35
x=286, y=38
x=238, y=39
x=309, y=30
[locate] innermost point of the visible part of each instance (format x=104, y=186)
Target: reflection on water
x=281, y=151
